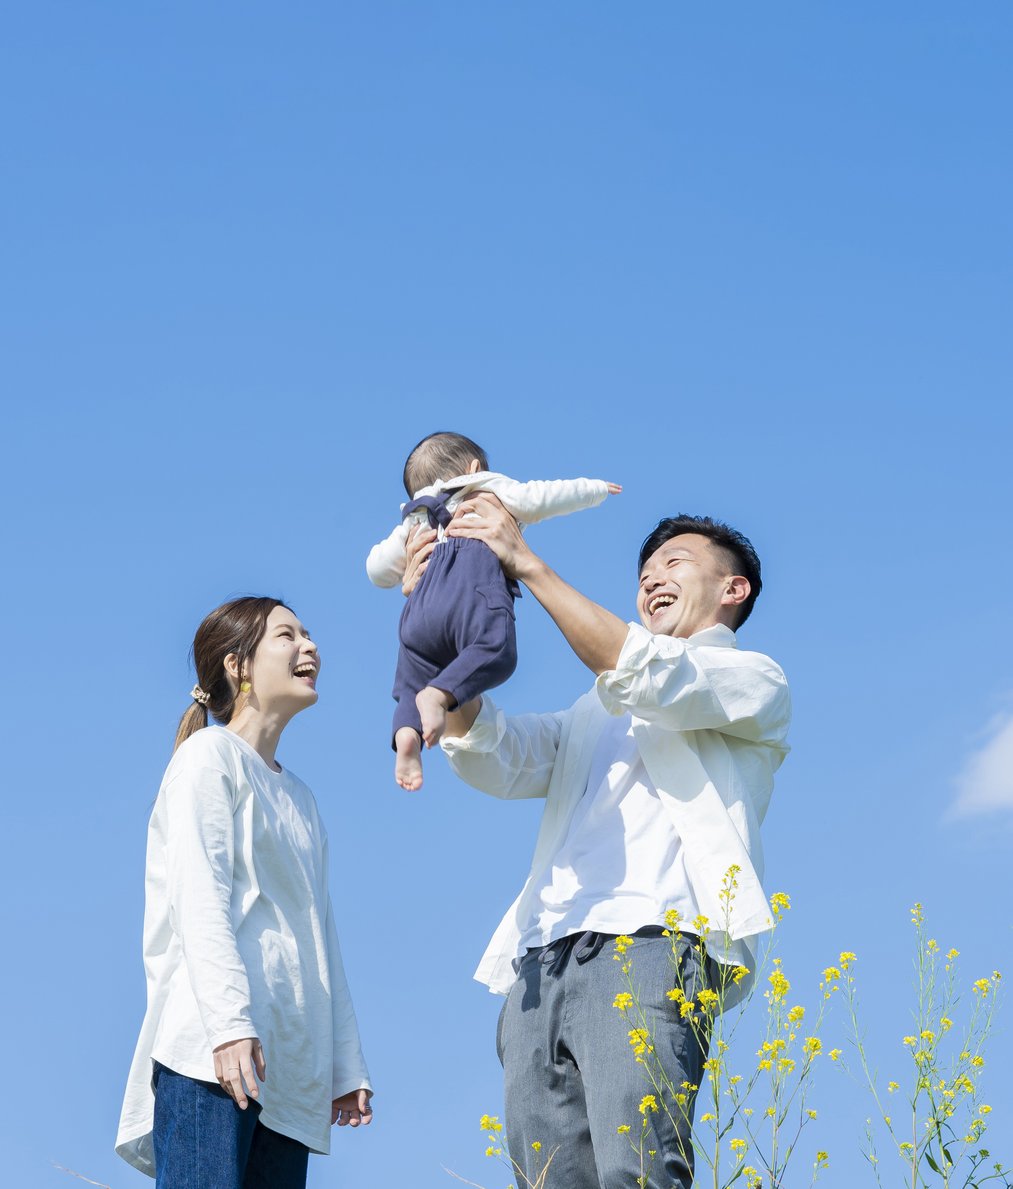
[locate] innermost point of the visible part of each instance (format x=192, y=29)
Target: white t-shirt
x=622, y=864
x=239, y=941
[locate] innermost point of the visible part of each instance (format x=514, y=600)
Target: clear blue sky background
x=746, y=260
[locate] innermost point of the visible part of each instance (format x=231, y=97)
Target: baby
x=457, y=636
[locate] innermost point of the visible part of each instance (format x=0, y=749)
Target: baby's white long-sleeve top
x=239, y=941
x=528, y=503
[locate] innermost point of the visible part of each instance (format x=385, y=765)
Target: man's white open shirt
x=710, y=721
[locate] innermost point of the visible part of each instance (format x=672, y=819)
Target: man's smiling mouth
x=659, y=601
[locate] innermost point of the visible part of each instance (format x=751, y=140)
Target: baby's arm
x=386, y=562
x=542, y=498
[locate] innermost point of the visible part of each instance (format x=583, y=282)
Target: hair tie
x=200, y=696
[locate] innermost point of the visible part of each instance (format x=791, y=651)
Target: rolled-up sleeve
x=682, y=687
x=506, y=757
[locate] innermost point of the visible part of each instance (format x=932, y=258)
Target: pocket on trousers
x=497, y=598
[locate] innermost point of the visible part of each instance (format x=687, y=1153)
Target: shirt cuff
x=618, y=688
x=486, y=731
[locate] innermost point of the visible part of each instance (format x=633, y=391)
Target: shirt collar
x=718, y=635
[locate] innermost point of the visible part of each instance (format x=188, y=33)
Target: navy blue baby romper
x=457, y=628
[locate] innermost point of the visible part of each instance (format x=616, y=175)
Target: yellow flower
x=910, y=1040
x=927, y=1034
x=708, y=999
x=779, y=986
x=765, y=1064
x=977, y=1062
x=672, y=918
x=831, y=974
x=623, y=1000
x=907, y=1147
x=685, y=1008
x=796, y=1014
x=893, y=1086
x=708, y=1118
x=813, y=1046
x=622, y=943
x=738, y=1146
x=701, y=925
x=536, y=1146
x=823, y=1158
x=951, y=954
x=780, y=902
x=984, y=1110
x=847, y=958
x=712, y=1065
x=932, y=946
x=945, y=1023
x=638, y=1039
x=739, y=973
x=623, y=1128
x=811, y=1114
x=834, y=1054
x=917, y=916
x=648, y=1103
x=493, y=1151
x=786, y=1065
x=982, y=986
x=490, y=1123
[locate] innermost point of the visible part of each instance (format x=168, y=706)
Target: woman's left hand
x=352, y=1108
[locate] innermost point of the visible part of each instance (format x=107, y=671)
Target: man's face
x=684, y=587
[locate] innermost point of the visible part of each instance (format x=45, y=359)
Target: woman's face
x=284, y=670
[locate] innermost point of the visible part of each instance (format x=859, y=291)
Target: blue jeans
x=203, y=1140
x=570, y=1075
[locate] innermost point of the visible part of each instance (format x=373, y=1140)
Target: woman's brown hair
x=236, y=626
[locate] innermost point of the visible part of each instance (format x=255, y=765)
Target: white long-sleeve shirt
x=239, y=941
x=528, y=503
x=710, y=722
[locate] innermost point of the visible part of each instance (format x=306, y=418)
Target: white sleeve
x=506, y=757
x=386, y=562
x=684, y=688
x=541, y=498
x=199, y=805
x=349, y=1065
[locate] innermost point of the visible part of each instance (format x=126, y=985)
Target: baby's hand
x=614, y=488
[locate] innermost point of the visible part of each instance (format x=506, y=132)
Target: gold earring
x=245, y=687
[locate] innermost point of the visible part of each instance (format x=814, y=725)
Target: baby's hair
x=441, y=456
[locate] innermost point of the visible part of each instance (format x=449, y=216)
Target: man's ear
x=736, y=591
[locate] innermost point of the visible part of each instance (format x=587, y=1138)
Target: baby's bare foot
x=408, y=765
x=433, y=704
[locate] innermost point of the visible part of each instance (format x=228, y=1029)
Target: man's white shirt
x=706, y=730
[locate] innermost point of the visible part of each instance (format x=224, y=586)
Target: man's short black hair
x=442, y=455
x=738, y=548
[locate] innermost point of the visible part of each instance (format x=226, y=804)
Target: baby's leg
x=408, y=765
x=433, y=705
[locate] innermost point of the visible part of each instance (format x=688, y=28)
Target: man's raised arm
x=594, y=634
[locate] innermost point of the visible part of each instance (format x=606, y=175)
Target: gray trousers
x=570, y=1075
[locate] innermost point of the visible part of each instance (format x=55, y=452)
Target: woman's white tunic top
x=239, y=941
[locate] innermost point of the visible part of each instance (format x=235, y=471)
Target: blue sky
x=750, y=262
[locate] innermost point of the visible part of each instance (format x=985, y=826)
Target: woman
x=249, y=1049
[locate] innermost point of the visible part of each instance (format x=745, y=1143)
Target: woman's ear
x=474, y=467
x=231, y=664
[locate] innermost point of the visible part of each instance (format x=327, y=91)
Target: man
x=656, y=783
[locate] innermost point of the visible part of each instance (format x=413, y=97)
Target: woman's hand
x=352, y=1108
x=235, y=1064
x=421, y=543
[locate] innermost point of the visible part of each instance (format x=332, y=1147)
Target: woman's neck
x=261, y=730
